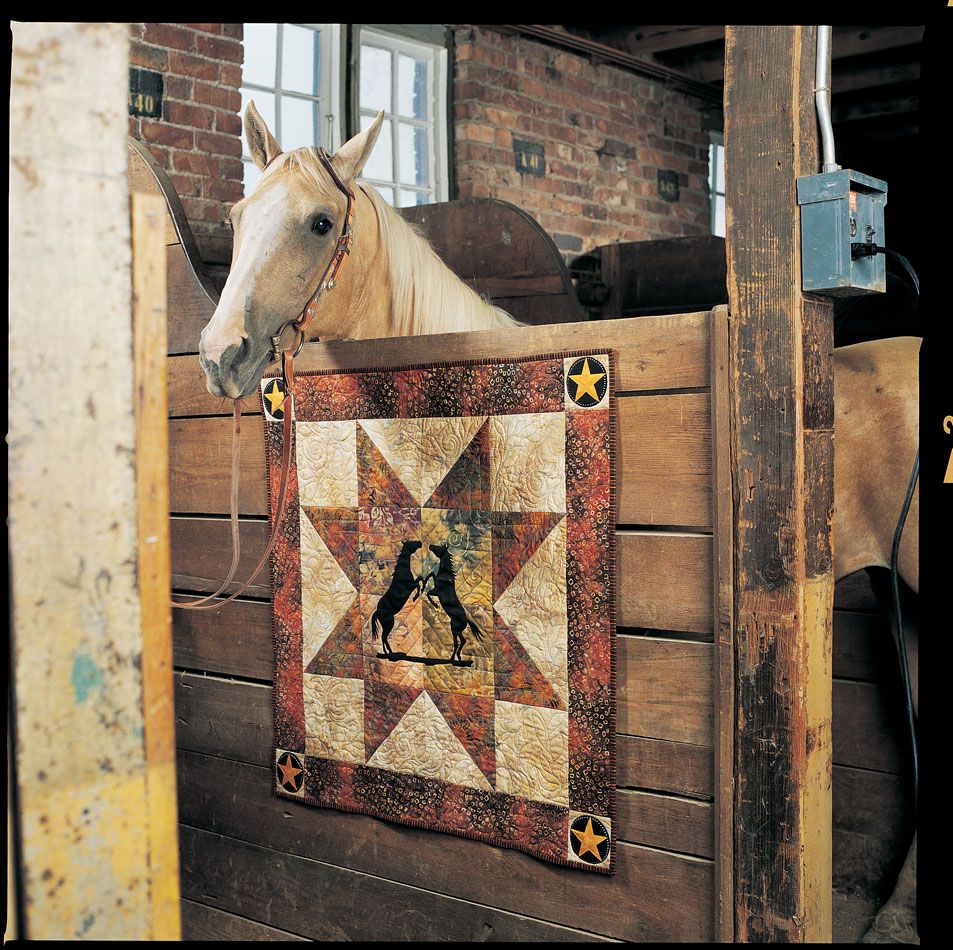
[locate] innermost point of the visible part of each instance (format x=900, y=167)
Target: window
x=716, y=182
x=407, y=80
x=290, y=70
x=293, y=72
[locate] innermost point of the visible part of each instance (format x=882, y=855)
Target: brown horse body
x=394, y=285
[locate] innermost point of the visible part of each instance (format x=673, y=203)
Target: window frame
x=327, y=101
x=415, y=44
x=716, y=188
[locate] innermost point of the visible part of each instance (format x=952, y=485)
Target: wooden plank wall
x=261, y=868
x=239, y=841
x=872, y=797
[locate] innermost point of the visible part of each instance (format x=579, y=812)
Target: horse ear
x=262, y=145
x=350, y=158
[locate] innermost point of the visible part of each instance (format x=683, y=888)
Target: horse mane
x=426, y=296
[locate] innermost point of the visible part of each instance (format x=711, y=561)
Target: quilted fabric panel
x=444, y=600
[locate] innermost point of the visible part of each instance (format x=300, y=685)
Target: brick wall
x=198, y=139
x=606, y=133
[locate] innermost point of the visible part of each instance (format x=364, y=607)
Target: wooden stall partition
x=781, y=450
x=239, y=841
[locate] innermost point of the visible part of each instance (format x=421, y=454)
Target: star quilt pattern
x=443, y=603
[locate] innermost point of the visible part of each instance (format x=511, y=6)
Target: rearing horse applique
x=444, y=588
x=403, y=583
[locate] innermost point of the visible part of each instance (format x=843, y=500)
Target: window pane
x=414, y=155
x=719, y=226
x=375, y=78
x=408, y=198
x=265, y=104
x=412, y=87
x=387, y=194
x=381, y=163
x=261, y=49
x=298, y=124
x=299, y=59
x=250, y=174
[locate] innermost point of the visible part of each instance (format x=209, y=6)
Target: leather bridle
x=287, y=356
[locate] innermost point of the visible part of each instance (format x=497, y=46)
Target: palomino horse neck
x=393, y=284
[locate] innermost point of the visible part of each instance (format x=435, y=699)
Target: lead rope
x=287, y=371
x=300, y=324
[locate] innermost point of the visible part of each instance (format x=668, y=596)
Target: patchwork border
x=527, y=385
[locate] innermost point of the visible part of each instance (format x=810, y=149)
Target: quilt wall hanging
x=444, y=599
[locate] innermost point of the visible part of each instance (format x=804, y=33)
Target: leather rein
x=287, y=356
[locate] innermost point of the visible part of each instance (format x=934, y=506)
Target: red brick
x=187, y=65
x=148, y=57
x=177, y=87
x=215, y=28
x=225, y=189
x=229, y=122
x=231, y=75
x=219, y=144
x=197, y=163
x=169, y=35
x=186, y=185
x=218, y=47
x=235, y=30
x=172, y=135
x=182, y=113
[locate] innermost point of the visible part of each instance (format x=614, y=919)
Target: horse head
x=285, y=233
x=413, y=546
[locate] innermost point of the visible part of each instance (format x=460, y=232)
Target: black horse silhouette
x=446, y=596
x=402, y=584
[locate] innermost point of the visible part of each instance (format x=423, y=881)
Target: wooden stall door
x=256, y=866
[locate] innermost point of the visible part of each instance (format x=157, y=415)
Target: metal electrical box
x=839, y=209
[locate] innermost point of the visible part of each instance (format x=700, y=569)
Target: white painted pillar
x=81, y=763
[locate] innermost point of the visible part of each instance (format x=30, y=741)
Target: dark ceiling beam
x=607, y=54
x=855, y=78
x=640, y=40
x=853, y=40
x=874, y=108
x=707, y=64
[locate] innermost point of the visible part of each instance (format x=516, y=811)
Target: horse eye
x=321, y=225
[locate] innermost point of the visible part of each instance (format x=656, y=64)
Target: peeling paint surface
x=72, y=508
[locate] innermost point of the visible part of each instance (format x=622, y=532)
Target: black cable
x=904, y=664
x=862, y=249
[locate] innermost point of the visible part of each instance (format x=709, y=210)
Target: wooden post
x=781, y=447
x=95, y=819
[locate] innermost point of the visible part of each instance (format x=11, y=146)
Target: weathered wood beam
x=852, y=40
x=615, y=57
x=875, y=108
x=781, y=462
x=873, y=75
x=640, y=40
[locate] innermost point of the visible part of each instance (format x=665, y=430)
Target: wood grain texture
x=723, y=613
x=654, y=895
x=153, y=559
x=655, y=353
x=664, y=463
x=201, y=922
x=666, y=689
x=782, y=602
x=352, y=905
x=660, y=765
x=233, y=719
x=664, y=577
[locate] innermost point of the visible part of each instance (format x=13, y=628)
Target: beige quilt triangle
x=326, y=592
x=442, y=442
x=534, y=608
x=423, y=744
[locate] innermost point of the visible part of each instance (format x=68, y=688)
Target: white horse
x=393, y=284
